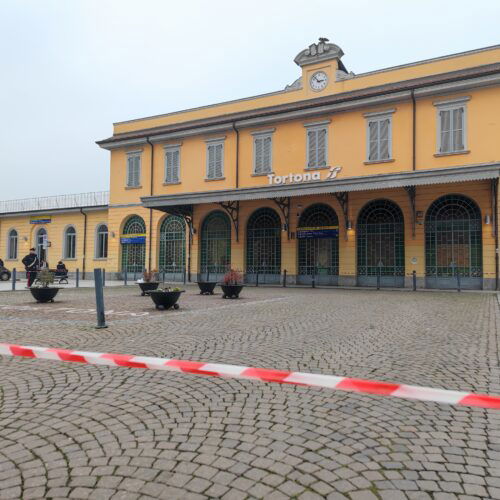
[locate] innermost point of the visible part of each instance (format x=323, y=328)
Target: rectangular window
x=317, y=147
x=172, y=165
x=133, y=170
x=215, y=160
x=12, y=253
x=262, y=154
x=379, y=138
x=451, y=135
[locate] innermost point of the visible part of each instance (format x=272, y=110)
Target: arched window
x=12, y=242
x=133, y=243
x=41, y=242
x=318, y=242
x=101, y=242
x=69, y=243
x=380, y=244
x=264, y=245
x=453, y=243
x=172, y=246
x=215, y=246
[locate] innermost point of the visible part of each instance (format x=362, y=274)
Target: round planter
x=148, y=286
x=231, y=291
x=44, y=294
x=206, y=287
x=165, y=300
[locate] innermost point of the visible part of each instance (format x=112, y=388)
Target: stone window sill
x=453, y=153
x=371, y=162
x=171, y=183
x=207, y=179
x=11, y=260
x=67, y=258
x=100, y=258
x=316, y=168
x=133, y=187
x=265, y=174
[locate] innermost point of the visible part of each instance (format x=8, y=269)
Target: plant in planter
x=232, y=284
x=206, y=287
x=41, y=290
x=165, y=298
x=148, y=282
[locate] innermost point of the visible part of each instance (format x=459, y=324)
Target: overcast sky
x=70, y=68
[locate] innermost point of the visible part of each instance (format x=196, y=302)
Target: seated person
x=61, y=269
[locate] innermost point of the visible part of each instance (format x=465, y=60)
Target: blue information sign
x=128, y=240
x=317, y=232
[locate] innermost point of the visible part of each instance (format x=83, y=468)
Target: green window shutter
x=219, y=160
x=321, y=154
x=384, y=126
x=211, y=161
x=458, y=129
x=312, y=141
x=259, y=155
x=267, y=155
x=373, y=135
x=445, y=118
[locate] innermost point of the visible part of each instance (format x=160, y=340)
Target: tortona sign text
x=308, y=176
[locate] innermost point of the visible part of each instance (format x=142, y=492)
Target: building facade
x=338, y=178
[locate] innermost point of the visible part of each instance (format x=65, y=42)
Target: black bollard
x=77, y=278
x=184, y=275
x=313, y=283
x=257, y=278
x=14, y=273
x=284, y=278
x=414, y=275
x=458, y=280
x=104, y=277
x=99, y=298
x=125, y=278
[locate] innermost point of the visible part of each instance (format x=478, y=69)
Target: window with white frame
x=101, y=242
x=451, y=130
x=215, y=159
x=69, y=243
x=133, y=169
x=172, y=164
x=12, y=244
x=262, y=152
x=379, y=136
x=317, y=145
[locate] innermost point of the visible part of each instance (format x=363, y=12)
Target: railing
x=96, y=198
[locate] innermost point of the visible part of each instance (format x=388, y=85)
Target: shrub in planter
x=232, y=284
x=166, y=298
x=42, y=291
x=148, y=282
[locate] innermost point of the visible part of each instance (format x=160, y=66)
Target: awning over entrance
x=338, y=185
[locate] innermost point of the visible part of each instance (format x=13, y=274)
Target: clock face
x=318, y=81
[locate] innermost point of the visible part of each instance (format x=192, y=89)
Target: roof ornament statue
x=320, y=51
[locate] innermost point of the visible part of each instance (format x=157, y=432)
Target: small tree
x=232, y=277
x=46, y=278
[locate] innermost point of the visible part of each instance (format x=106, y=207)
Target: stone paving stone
x=76, y=431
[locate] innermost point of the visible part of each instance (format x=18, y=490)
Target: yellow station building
x=338, y=178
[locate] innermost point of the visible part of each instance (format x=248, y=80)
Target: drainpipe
x=151, y=170
x=84, y=241
x=414, y=131
x=495, y=217
x=237, y=155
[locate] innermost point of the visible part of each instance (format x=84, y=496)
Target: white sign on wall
x=306, y=177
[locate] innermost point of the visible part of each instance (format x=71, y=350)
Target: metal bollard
x=163, y=276
x=313, y=283
x=257, y=279
x=125, y=278
x=135, y=274
x=14, y=273
x=458, y=280
x=99, y=299
x=184, y=275
x=414, y=276
x=104, y=277
x=284, y=278
x=77, y=278
x=378, y=280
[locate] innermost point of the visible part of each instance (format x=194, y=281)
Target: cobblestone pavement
x=79, y=431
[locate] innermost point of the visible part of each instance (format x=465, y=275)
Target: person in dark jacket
x=61, y=269
x=1, y=264
x=31, y=264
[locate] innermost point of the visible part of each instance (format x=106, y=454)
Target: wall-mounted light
x=285, y=227
x=349, y=225
x=487, y=219
x=112, y=234
x=25, y=238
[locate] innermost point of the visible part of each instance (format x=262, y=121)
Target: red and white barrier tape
x=262, y=374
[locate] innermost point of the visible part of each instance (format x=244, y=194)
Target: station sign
x=41, y=220
x=317, y=232
x=305, y=177
x=129, y=239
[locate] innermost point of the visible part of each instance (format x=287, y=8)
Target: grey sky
x=71, y=68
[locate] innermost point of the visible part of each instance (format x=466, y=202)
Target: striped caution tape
x=266, y=375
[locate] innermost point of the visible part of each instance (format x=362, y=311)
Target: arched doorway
x=133, y=243
x=380, y=244
x=41, y=243
x=318, y=241
x=215, y=246
x=172, y=255
x=453, y=243
x=264, y=246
